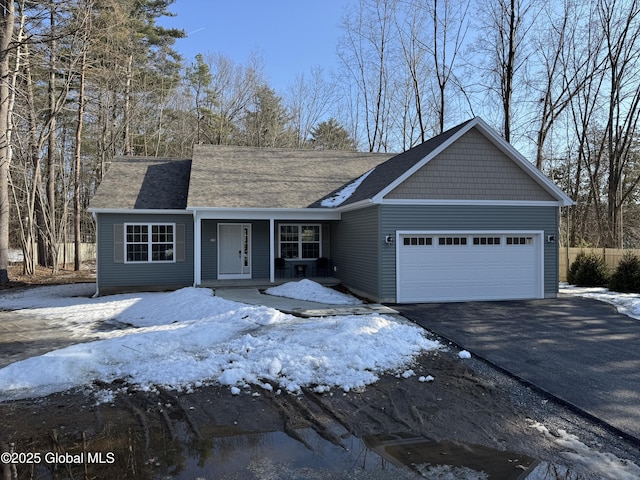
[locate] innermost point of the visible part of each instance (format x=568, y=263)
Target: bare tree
x=585, y=186
x=77, y=214
x=308, y=102
x=7, y=18
x=365, y=51
x=565, y=63
x=620, y=22
x=234, y=87
x=414, y=114
x=52, y=255
x=506, y=24
x=449, y=23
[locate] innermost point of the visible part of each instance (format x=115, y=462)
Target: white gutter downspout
x=95, y=219
x=272, y=275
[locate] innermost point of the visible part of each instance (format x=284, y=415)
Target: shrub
x=626, y=278
x=588, y=271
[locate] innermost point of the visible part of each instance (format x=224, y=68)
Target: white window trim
x=149, y=225
x=300, y=242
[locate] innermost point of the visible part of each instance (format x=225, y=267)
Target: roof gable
x=388, y=176
x=472, y=168
x=394, y=168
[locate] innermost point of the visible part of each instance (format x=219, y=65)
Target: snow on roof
x=343, y=195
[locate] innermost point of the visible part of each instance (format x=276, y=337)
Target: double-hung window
x=150, y=242
x=300, y=241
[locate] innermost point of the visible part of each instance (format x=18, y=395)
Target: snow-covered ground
x=626, y=303
x=189, y=338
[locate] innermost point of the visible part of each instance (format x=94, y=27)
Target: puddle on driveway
x=187, y=451
x=276, y=455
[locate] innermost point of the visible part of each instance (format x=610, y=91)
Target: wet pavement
x=578, y=350
x=24, y=336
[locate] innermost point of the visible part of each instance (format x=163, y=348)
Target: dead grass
x=45, y=276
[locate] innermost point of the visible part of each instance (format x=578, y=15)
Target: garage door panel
x=503, y=269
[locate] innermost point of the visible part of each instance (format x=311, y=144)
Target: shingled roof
x=250, y=177
x=144, y=183
x=254, y=178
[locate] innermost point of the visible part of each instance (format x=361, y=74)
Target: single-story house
x=462, y=216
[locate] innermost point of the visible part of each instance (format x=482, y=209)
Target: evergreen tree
x=330, y=135
x=199, y=79
x=266, y=125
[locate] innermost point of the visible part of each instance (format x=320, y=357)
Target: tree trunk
x=7, y=17
x=128, y=150
x=509, y=71
x=36, y=223
x=51, y=156
x=78, y=163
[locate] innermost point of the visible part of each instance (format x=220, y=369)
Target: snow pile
x=190, y=338
x=601, y=465
x=341, y=196
x=309, y=290
x=72, y=307
x=626, y=303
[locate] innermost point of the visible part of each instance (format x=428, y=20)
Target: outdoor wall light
x=551, y=238
x=388, y=239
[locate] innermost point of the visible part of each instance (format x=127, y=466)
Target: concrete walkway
x=579, y=350
x=301, y=308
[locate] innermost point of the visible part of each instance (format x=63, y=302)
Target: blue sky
x=291, y=35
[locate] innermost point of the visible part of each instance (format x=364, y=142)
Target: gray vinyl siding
x=473, y=168
x=355, y=249
x=209, y=250
x=477, y=217
x=115, y=276
x=259, y=248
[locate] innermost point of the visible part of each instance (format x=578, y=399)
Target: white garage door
x=441, y=267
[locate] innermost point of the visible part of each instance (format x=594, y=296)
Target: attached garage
x=476, y=265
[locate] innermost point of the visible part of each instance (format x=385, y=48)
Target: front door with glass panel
x=234, y=250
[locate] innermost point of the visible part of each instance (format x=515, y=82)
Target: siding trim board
x=517, y=203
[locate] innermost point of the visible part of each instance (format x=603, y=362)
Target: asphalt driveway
x=578, y=350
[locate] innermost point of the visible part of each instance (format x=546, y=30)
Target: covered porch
x=262, y=247
x=262, y=283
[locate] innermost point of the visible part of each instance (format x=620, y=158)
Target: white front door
x=234, y=250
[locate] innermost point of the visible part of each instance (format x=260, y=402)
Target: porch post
x=272, y=274
x=197, y=246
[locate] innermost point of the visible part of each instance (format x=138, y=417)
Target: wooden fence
x=66, y=252
x=612, y=257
